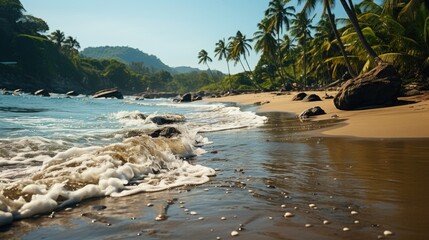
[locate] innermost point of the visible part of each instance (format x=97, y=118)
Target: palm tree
x=351, y=13
x=240, y=47
x=278, y=16
x=204, y=58
x=222, y=52
x=327, y=5
x=57, y=37
x=301, y=30
x=72, y=43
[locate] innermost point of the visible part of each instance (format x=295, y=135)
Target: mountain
x=184, y=69
x=128, y=55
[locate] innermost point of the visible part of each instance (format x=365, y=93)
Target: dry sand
x=403, y=121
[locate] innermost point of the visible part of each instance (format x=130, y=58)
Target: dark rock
x=376, y=88
x=108, y=93
x=167, y=132
x=72, y=93
x=314, y=111
x=197, y=98
x=42, y=92
x=311, y=98
x=186, y=98
x=167, y=119
x=133, y=133
x=299, y=96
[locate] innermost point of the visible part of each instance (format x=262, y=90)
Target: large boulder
x=377, y=88
x=108, y=93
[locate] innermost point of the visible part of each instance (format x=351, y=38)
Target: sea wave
x=138, y=164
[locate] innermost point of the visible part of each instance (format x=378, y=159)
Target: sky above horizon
x=173, y=30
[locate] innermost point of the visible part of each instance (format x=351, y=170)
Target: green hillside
x=126, y=55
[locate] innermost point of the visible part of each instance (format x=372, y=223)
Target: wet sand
x=367, y=186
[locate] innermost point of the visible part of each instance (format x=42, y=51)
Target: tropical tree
x=327, y=6
x=58, y=38
x=204, y=58
x=301, y=29
x=278, y=15
x=222, y=52
x=240, y=47
x=351, y=13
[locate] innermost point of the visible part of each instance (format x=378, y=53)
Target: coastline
x=408, y=121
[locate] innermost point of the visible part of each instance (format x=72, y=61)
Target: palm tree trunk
x=355, y=23
x=340, y=42
x=211, y=73
x=305, y=60
x=229, y=75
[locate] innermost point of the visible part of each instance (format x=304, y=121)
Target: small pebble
x=68, y=209
x=288, y=214
x=346, y=229
x=271, y=218
x=387, y=233
x=182, y=206
x=218, y=238
x=326, y=222
x=160, y=217
x=133, y=218
x=93, y=221
x=354, y=213
x=109, y=224
x=312, y=205
x=201, y=218
x=223, y=218
x=139, y=234
x=308, y=225
x=193, y=213
x=150, y=204
x=250, y=191
x=356, y=221
x=206, y=189
x=234, y=233
x=186, y=210
x=283, y=206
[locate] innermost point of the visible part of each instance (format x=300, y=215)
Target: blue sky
x=173, y=30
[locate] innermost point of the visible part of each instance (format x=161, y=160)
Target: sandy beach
x=409, y=120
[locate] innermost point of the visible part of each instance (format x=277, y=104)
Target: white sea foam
x=139, y=164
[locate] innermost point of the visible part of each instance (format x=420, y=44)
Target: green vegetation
x=396, y=32
x=294, y=49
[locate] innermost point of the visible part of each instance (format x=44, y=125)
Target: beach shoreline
x=404, y=121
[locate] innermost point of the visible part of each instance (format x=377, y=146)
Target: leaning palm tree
x=57, y=37
x=351, y=13
x=301, y=30
x=222, y=52
x=204, y=58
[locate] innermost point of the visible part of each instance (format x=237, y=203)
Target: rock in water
x=108, y=93
x=42, y=92
x=376, y=88
x=167, y=132
x=72, y=93
x=186, y=98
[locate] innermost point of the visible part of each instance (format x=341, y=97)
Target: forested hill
x=130, y=55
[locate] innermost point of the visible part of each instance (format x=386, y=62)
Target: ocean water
x=57, y=151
